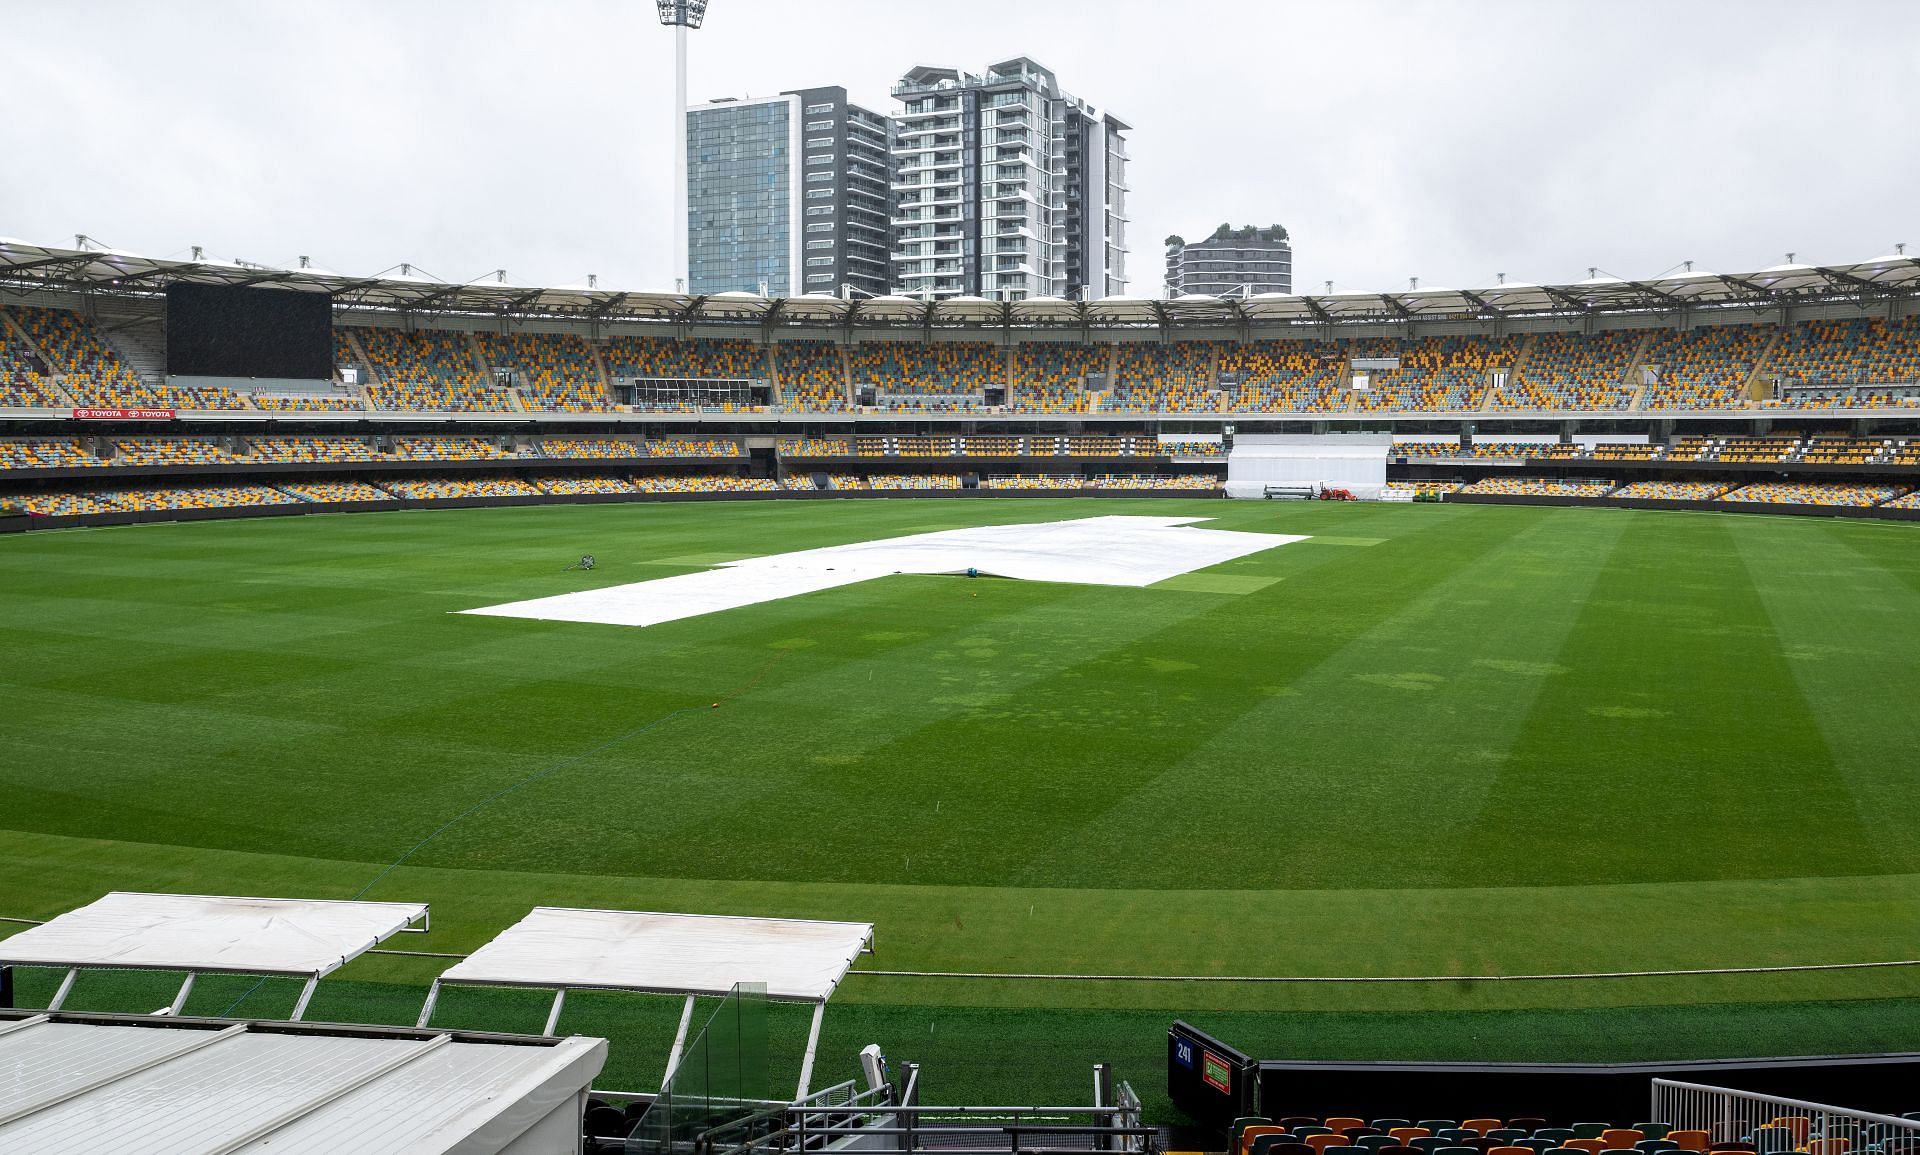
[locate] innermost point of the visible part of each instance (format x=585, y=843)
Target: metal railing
x=878, y=1120
x=1774, y=1124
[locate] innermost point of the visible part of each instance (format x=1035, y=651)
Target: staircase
x=139, y=342
x=600, y=372
x=360, y=358
x=1514, y=371
x=1760, y=363
x=1636, y=377
x=50, y=377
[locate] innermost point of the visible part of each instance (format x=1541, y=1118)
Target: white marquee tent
x=1356, y=462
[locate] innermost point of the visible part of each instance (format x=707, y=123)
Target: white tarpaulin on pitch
x=189, y=932
x=1356, y=462
x=799, y=960
x=1113, y=551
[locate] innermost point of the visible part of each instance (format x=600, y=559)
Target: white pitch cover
x=189, y=932
x=1113, y=551
x=799, y=960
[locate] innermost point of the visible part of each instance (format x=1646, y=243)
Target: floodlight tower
x=680, y=15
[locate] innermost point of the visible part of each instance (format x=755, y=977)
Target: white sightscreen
x=191, y=932
x=1355, y=462
x=694, y=954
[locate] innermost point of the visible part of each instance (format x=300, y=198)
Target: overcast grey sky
x=1451, y=141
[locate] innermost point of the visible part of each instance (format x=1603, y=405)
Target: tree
x=1176, y=241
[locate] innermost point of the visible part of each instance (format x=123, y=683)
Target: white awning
x=693, y=954
x=187, y=932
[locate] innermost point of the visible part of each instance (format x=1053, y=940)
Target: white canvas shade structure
x=202, y=934
x=213, y=1087
x=559, y=948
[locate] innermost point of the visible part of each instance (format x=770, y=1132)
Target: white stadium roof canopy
x=29, y=266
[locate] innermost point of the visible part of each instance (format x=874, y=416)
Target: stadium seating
x=1149, y=481
x=937, y=377
x=1540, y=487
x=47, y=453
x=692, y=447
x=1435, y=373
x=707, y=483
x=428, y=369
x=300, y=450
x=700, y=359
x=446, y=449
x=1672, y=490
x=170, y=451
x=812, y=376
x=1050, y=377
x=449, y=488
x=93, y=374
x=591, y=447
x=60, y=504
x=173, y=497
x=1767, y=450
x=23, y=375
x=587, y=447
x=1841, y=358
x=584, y=485
x=308, y=402
x=1572, y=371
x=1814, y=493
x=913, y=481
x=1425, y=488
x=333, y=492
x=1174, y=377
x=1705, y=368
x=1782, y=1135
x=1033, y=481
x=1284, y=376
x=1192, y=448
x=553, y=371
x=814, y=447
x=847, y=481
x=1629, y=451
x=1842, y=449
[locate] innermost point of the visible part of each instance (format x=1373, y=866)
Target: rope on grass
x=1852, y=966
x=1035, y=977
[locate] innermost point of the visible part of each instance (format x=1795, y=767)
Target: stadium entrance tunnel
x=1114, y=551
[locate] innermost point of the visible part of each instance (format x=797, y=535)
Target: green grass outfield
x=1432, y=740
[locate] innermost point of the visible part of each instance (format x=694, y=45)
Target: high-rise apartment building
x=1231, y=262
x=786, y=195
x=1006, y=187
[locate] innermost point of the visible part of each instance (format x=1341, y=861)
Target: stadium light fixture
x=680, y=15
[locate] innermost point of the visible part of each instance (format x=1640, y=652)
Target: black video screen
x=228, y=331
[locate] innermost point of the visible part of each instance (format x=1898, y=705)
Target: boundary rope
x=1575, y=976
x=1390, y=978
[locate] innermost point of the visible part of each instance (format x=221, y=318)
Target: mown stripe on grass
x=1400, y=687
x=1848, y=623
x=1696, y=755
